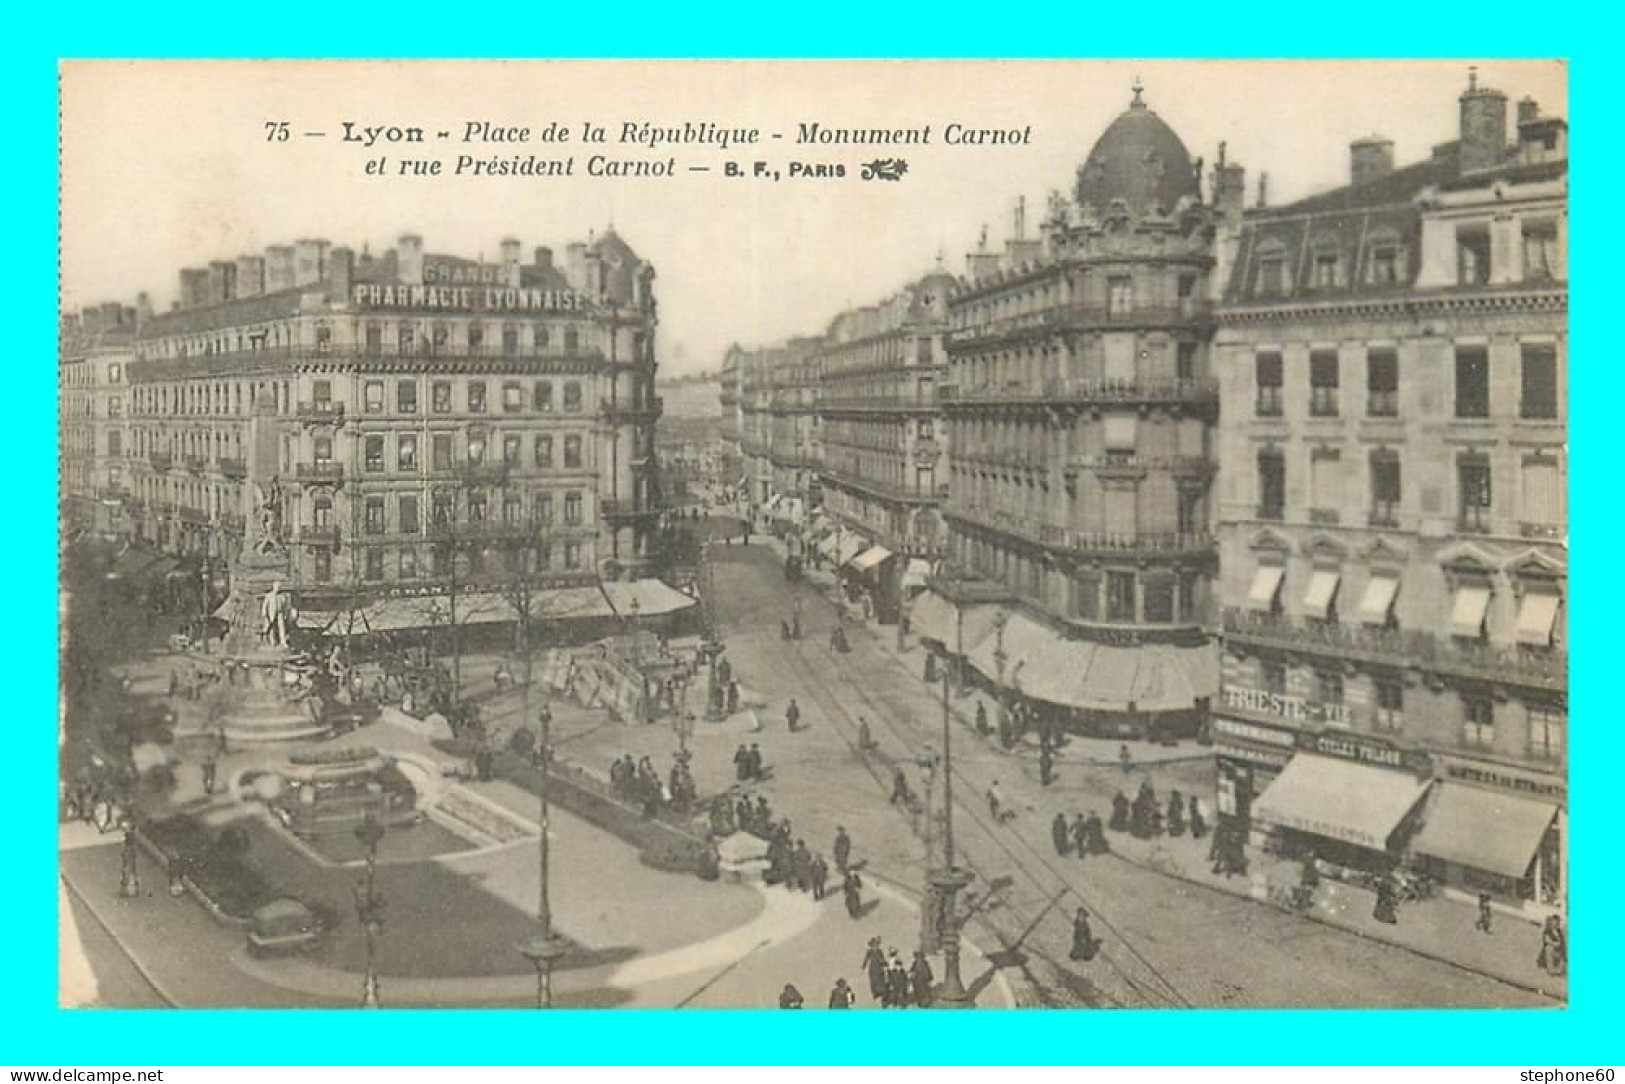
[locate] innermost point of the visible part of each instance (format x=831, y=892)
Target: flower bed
x=660, y=845
x=212, y=864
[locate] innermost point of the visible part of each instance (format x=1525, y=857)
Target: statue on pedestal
x=274, y=608
x=268, y=514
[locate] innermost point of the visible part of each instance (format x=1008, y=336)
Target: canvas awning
x=1378, y=601
x=1340, y=800
x=1317, y=601
x=1109, y=685
x=850, y=546
x=932, y=617
x=870, y=557
x=1024, y=641
x=1484, y=829
x=917, y=574
x=1266, y=585
x=1536, y=616
x=1054, y=675
x=614, y=599
x=1468, y=610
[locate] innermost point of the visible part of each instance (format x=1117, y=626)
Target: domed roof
x=1139, y=160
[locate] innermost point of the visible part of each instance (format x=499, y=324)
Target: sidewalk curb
x=1560, y=999
x=141, y=968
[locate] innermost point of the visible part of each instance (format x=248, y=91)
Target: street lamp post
x=129, y=884
x=999, y=661
x=369, y=906
x=947, y=880
x=543, y=949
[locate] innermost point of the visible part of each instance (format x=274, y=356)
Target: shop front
x=1490, y=828
x=1344, y=811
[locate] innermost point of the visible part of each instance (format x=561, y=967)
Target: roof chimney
x=1483, y=126
x=1370, y=158
x=409, y=259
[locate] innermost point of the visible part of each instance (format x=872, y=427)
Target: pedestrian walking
x=1084, y=943
x=1120, y=813
x=900, y=794
x=897, y=984
x=1080, y=836
x=1125, y=758
x=733, y=697
x=1198, y=822
x=922, y=981
x=874, y=965
x=820, y=876
x=995, y=802
x=841, y=996
x=1387, y=908
x=1095, y=833
x=1484, y=912
x=790, y=997
x=843, y=849
x=1176, y=814
x=792, y=715
x=753, y=762
x=742, y=763
x=1046, y=765
x=801, y=866
x=1554, y=947
x=866, y=740
x=209, y=768
x=852, y=891
x=981, y=719
x=1059, y=834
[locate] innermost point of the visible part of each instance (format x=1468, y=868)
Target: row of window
x=476, y=400
x=1472, y=387
x=442, y=455
x=409, y=339
x=476, y=507
x=1541, y=482
x=529, y=561
x=1545, y=725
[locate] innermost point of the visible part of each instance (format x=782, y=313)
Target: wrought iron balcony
x=320, y=536
x=1060, y=390
x=161, y=460
x=1066, y=540
x=326, y=411
x=331, y=474
x=197, y=464
x=1545, y=667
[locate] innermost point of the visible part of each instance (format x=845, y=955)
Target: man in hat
x=874, y=964
x=742, y=763
x=820, y=876
x=1059, y=834
x=790, y=997
x=733, y=697
x=792, y=715
x=1095, y=832
x=753, y=762
x=1084, y=945
x=896, y=982
x=841, y=997
x=801, y=866
x=1046, y=765
x=843, y=849
x=922, y=980
x=1080, y=835
x=1484, y=912
x=852, y=890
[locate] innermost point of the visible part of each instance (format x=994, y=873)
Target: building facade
x=1080, y=408
x=415, y=399
x=1392, y=517
x=885, y=454
x=97, y=346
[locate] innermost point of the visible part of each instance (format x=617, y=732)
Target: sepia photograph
x=594, y=534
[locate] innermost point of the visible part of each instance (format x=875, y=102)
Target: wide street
x=1166, y=942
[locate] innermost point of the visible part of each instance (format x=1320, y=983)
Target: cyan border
x=32, y=1030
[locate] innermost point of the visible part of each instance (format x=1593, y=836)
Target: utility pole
x=947, y=880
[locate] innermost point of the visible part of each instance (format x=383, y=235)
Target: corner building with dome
x=1080, y=407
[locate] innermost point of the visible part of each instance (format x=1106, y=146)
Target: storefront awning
x=1024, y=642
x=1340, y=800
x=1467, y=612
x=615, y=599
x=870, y=557
x=1378, y=601
x=932, y=618
x=1109, y=684
x=1484, y=829
x=1055, y=675
x=916, y=574
x=1317, y=601
x=1266, y=585
x=850, y=546
x=1536, y=616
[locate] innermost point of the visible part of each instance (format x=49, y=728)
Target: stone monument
x=264, y=694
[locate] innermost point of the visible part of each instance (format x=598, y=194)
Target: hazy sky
x=166, y=164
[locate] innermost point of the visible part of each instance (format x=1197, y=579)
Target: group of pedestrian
x=1146, y=818
x=638, y=782
x=748, y=767
x=757, y=818
x=1228, y=852
x=796, y=867
x=1554, y=947
x=1082, y=836
x=894, y=986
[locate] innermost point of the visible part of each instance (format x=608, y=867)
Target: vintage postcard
x=1013, y=535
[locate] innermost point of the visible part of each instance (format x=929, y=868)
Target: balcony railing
x=320, y=473
x=1178, y=464
x=321, y=536
x=161, y=460
x=1398, y=647
x=1049, y=392
x=322, y=410
x=1078, y=317
x=233, y=468
x=196, y=463
x=1065, y=539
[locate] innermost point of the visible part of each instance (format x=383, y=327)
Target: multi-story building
x=413, y=398
x=779, y=433
x=97, y=347
x=1080, y=409
x=885, y=457
x=731, y=458
x=1392, y=516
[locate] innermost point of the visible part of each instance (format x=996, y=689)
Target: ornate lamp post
x=369, y=907
x=999, y=661
x=543, y=949
x=947, y=880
